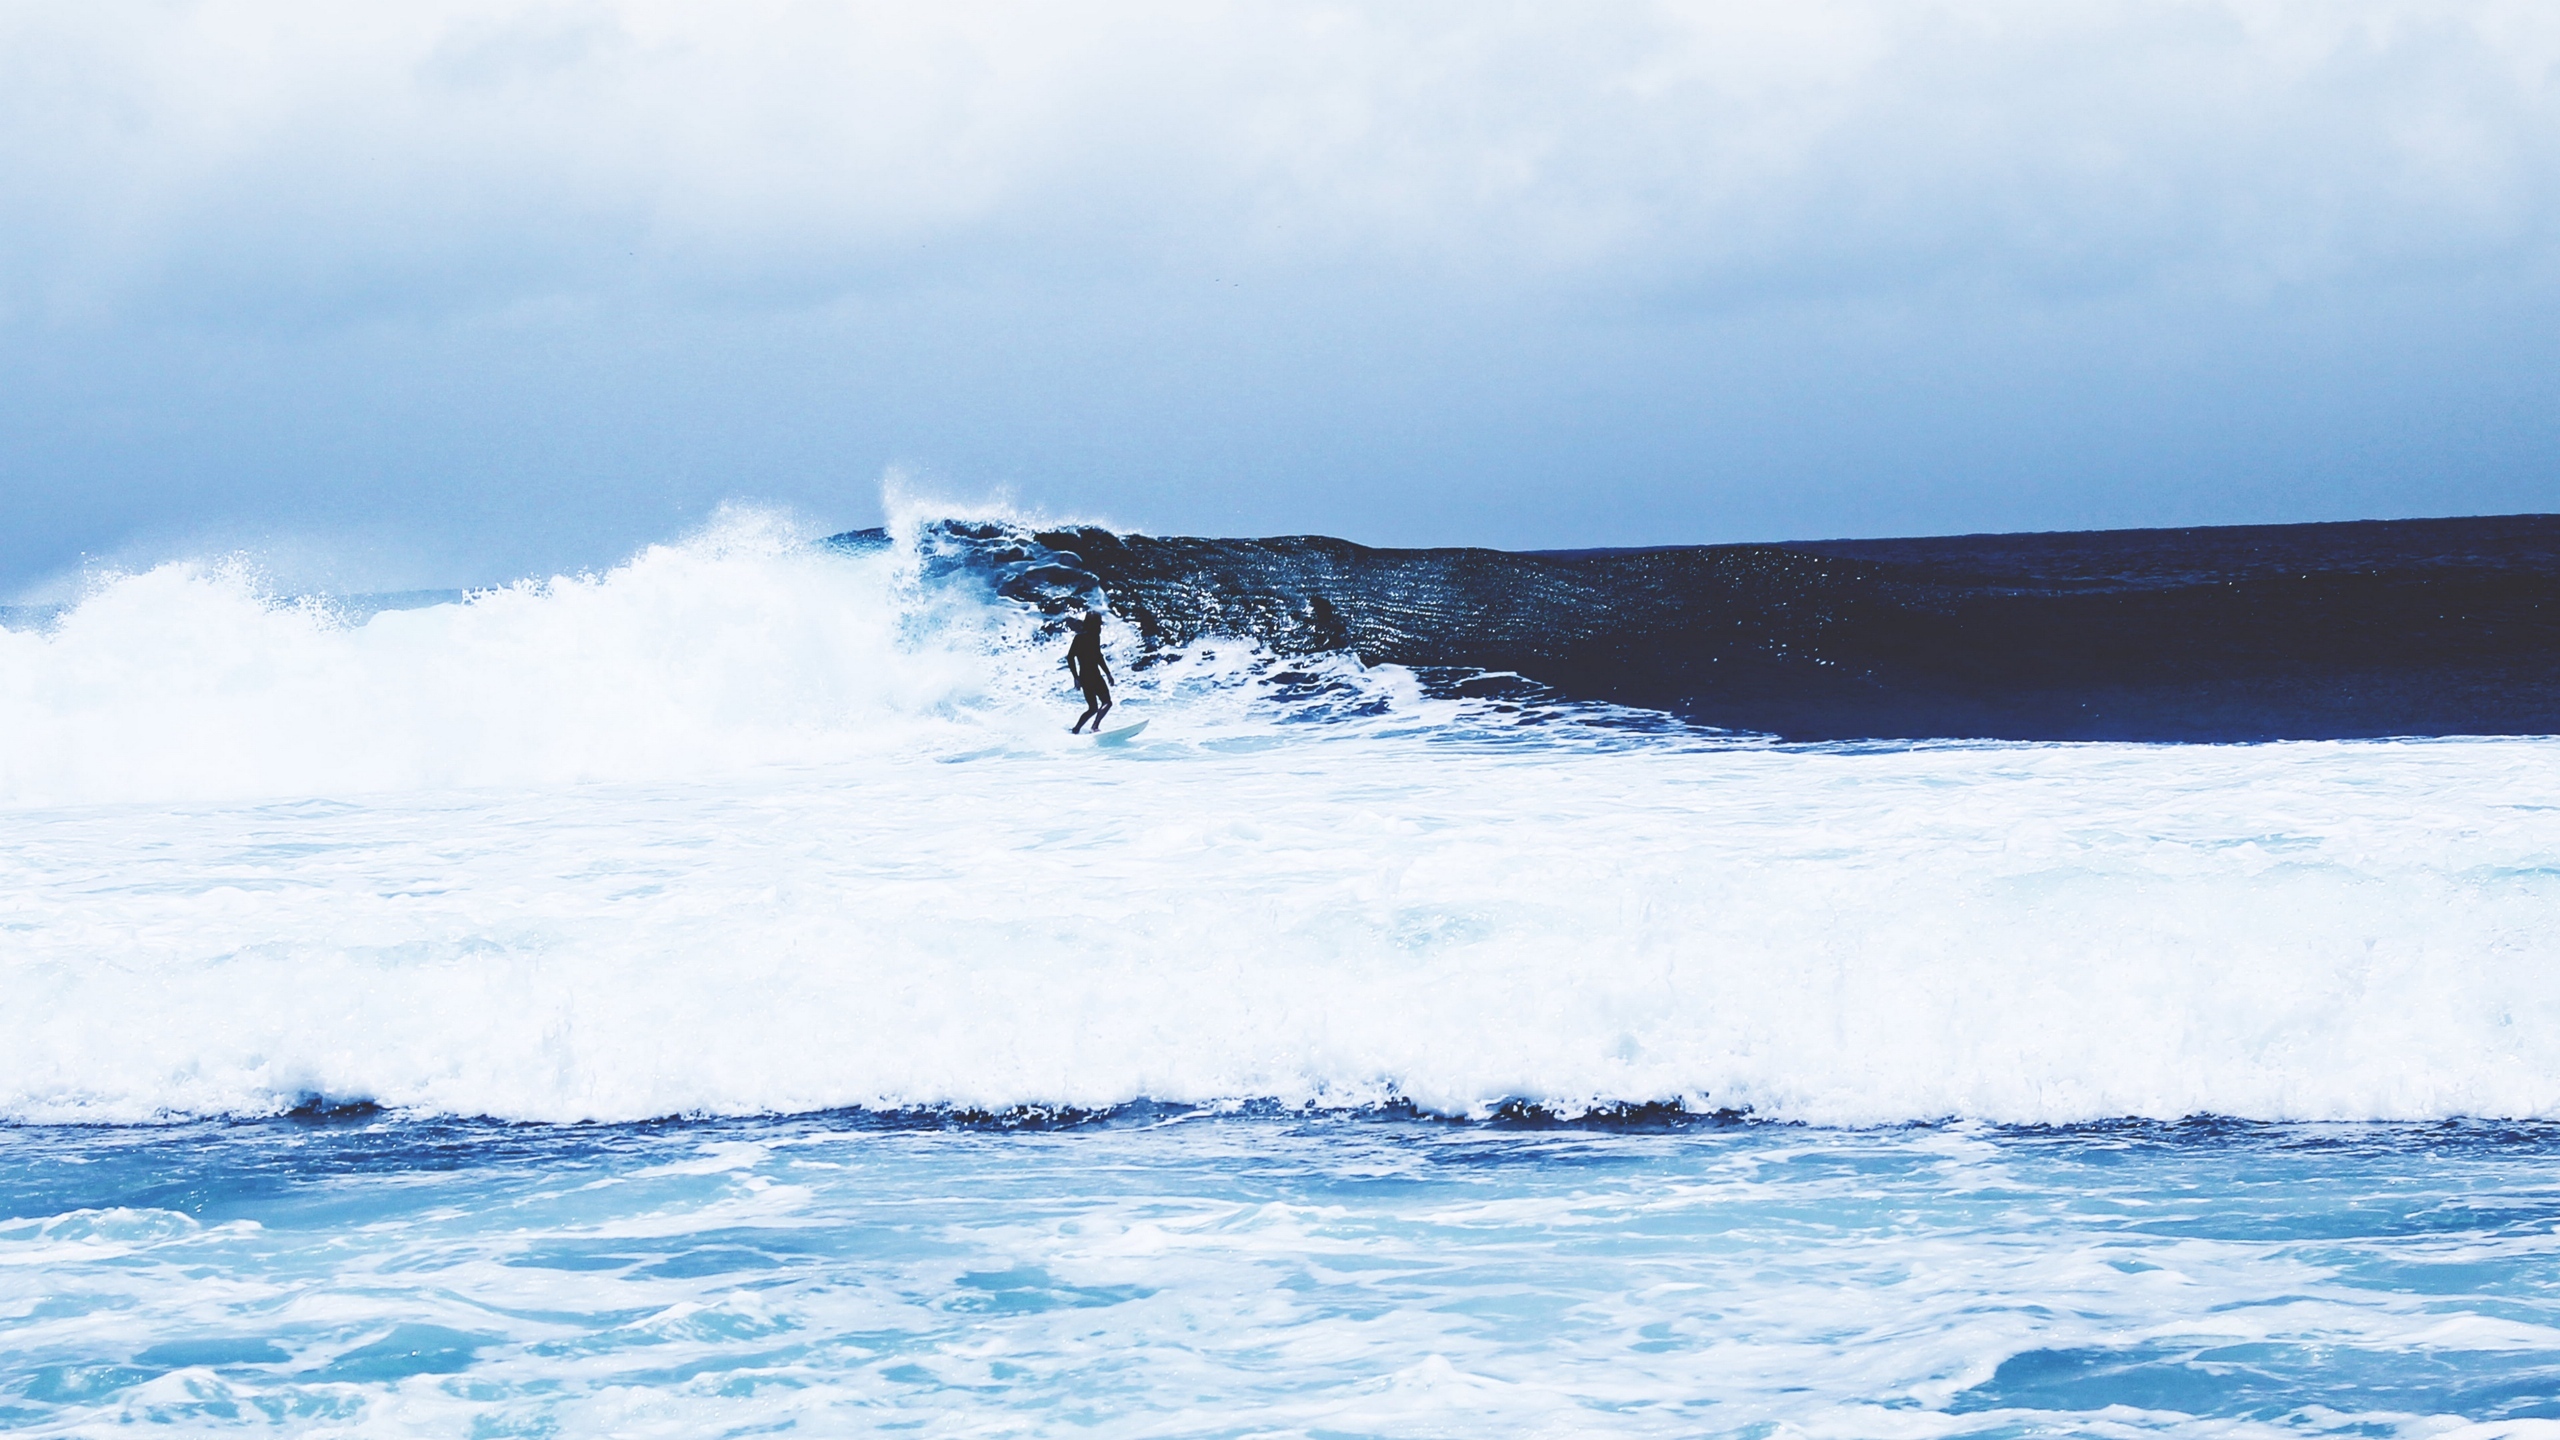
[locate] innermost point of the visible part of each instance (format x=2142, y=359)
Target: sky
x=441, y=294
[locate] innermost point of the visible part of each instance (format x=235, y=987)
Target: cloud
x=502, y=286
x=231, y=163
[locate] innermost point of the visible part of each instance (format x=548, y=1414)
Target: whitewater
x=716, y=995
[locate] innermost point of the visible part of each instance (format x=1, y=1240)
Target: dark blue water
x=2242, y=633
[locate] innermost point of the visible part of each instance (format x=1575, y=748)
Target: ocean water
x=1180, y=1274
x=715, y=996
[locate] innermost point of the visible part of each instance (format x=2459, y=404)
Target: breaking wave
x=755, y=823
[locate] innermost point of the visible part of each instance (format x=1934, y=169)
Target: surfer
x=1090, y=671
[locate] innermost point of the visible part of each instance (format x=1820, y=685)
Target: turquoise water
x=1156, y=1272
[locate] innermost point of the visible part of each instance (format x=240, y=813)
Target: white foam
x=2028, y=933
x=744, y=646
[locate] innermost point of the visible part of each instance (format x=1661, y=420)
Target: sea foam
x=744, y=646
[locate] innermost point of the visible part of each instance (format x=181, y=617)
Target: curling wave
x=2242, y=633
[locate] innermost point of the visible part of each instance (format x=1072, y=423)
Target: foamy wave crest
x=745, y=645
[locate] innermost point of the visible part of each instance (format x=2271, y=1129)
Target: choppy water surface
x=1159, y=1274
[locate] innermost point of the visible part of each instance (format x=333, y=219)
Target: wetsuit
x=1092, y=675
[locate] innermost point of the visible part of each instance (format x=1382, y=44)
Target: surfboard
x=1121, y=736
